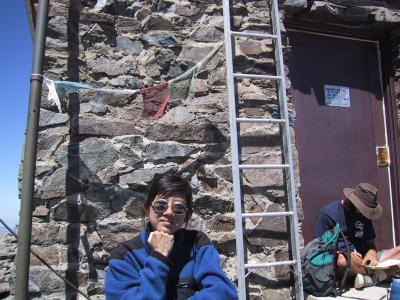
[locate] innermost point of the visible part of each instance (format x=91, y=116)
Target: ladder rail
x=234, y=152
x=286, y=143
x=290, y=185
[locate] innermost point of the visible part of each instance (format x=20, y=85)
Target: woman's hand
x=161, y=242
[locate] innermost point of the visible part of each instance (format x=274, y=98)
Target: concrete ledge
x=380, y=292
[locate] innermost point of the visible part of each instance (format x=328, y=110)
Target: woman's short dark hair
x=168, y=185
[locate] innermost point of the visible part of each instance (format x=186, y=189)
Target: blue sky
x=15, y=58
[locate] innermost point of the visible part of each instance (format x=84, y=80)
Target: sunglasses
x=161, y=205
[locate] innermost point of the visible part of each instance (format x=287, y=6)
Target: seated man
x=355, y=214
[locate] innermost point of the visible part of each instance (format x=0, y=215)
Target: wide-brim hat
x=363, y=196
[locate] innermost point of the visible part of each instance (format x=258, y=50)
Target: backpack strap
x=341, y=288
x=348, y=260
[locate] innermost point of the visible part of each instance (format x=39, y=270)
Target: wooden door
x=337, y=144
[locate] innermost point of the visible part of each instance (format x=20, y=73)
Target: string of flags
x=155, y=98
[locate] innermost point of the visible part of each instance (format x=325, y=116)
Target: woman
x=166, y=261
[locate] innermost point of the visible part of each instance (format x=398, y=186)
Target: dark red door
x=337, y=145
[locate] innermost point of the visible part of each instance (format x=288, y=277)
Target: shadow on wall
x=73, y=236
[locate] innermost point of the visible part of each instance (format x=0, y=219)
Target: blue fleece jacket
x=191, y=271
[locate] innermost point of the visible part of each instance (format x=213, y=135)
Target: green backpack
x=318, y=261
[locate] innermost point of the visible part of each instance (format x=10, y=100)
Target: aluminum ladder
x=287, y=166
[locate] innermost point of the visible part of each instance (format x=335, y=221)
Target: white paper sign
x=337, y=95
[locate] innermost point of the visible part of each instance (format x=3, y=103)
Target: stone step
x=381, y=292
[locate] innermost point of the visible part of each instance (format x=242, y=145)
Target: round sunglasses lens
x=179, y=209
x=160, y=206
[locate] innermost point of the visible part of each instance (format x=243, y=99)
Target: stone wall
x=96, y=158
x=7, y=257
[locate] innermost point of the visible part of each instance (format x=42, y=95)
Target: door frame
x=383, y=40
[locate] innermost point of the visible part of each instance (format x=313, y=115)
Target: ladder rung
x=253, y=120
x=254, y=35
x=271, y=264
x=267, y=214
x=263, y=166
x=257, y=76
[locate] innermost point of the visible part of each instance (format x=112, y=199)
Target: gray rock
x=187, y=10
x=41, y=212
x=128, y=156
x=224, y=172
x=57, y=28
x=93, y=107
x=282, y=273
x=8, y=246
x=270, y=232
x=251, y=48
x=104, y=126
x=77, y=208
x=157, y=22
x=93, y=239
x=48, y=253
x=133, y=141
x=295, y=4
x=133, y=8
x=135, y=207
x=48, y=234
x=49, y=140
x=108, y=175
x=223, y=222
x=4, y=289
x=130, y=82
x=56, y=45
x=178, y=115
x=91, y=16
x=218, y=77
x=208, y=34
x=201, y=87
x=142, y=176
x=102, y=5
x=201, y=131
x=385, y=15
x=49, y=118
x=126, y=44
x=99, y=33
x=152, y=69
x=161, y=39
x=94, y=288
x=210, y=204
x=117, y=229
x=65, y=181
x=174, y=71
x=49, y=283
x=277, y=294
x=111, y=67
x=88, y=152
x=181, y=22
x=127, y=25
x=44, y=167
x=256, y=178
x=142, y=13
x=193, y=53
x=113, y=97
x=161, y=151
x=164, y=57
